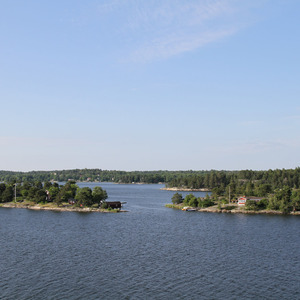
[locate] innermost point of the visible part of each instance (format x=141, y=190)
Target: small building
x=114, y=204
x=242, y=200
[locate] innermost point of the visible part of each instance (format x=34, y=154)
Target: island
x=282, y=201
x=52, y=196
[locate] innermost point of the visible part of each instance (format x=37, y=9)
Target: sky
x=149, y=85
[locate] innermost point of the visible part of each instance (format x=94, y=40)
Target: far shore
x=176, y=189
x=236, y=210
x=58, y=208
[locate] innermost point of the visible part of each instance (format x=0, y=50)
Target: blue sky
x=149, y=85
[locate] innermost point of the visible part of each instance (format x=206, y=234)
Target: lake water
x=150, y=252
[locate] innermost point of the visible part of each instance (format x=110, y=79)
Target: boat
x=187, y=208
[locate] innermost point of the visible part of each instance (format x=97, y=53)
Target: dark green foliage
x=7, y=194
x=281, y=200
x=52, y=192
x=2, y=189
x=47, y=185
x=84, y=197
x=104, y=205
x=40, y=196
x=262, y=204
x=206, y=202
x=177, y=198
x=245, y=182
x=229, y=207
x=295, y=200
x=251, y=205
x=98, y=195
x=256, y=205
x=191, y=200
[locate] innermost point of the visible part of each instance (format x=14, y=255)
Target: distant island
x=52, y=196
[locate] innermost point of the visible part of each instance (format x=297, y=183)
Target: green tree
x=177, y=198
x=53, y=191
x=193, y=202
x=285, y=203
x=251, y=205
x=2, y=189
x=188, y=198
x=99, y=194
x=84, y=196
x=38, y=184
x=295, y=199
x=8, y=194
x=47, y=185
x=40, y=196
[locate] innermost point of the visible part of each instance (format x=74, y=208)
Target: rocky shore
x=176, y=189
x=58, y=208
x=236, y=210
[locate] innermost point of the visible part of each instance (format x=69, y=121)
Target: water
x=150, y=252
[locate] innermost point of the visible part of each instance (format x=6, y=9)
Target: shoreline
x=176, y=189
x=237, y=210
x=57, y=208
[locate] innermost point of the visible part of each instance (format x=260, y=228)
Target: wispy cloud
x=175, y=44
x=157, y=30
x=260, y=146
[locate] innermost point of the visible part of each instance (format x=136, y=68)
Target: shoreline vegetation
x=230, y=208
x=52, y=196
x=281, y=201
x=62, y=208
x=178, y=189
x=271, y=190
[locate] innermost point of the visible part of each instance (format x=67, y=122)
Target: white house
x=242, y=200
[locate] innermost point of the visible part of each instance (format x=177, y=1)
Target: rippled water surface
x=150, y=252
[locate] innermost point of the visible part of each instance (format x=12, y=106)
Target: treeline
x=40, y=193
x=252, y=183
x=247, y=182
x=97, y=175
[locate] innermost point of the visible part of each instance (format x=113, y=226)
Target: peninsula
x=52, y=196
x=282, y=201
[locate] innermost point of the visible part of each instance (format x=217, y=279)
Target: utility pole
x=15, y=193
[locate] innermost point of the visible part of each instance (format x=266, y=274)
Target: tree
x=285, y=203
x=177, y=198
x=84, y=196
x=53, y=191
x=251, y=205
x=8, y=194
x=193, y=202
x=205, y=202
x=38, y=184
x=40, y=196
x=99, y=194
x=295, y=199
x=2, y=189
x=187, y=198
x=47, y=185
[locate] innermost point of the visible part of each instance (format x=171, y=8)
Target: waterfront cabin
x=114, y=204
x=242, y=200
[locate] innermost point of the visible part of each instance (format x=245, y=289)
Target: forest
x=37, y=192
x=281, y=187
x=240, y=182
